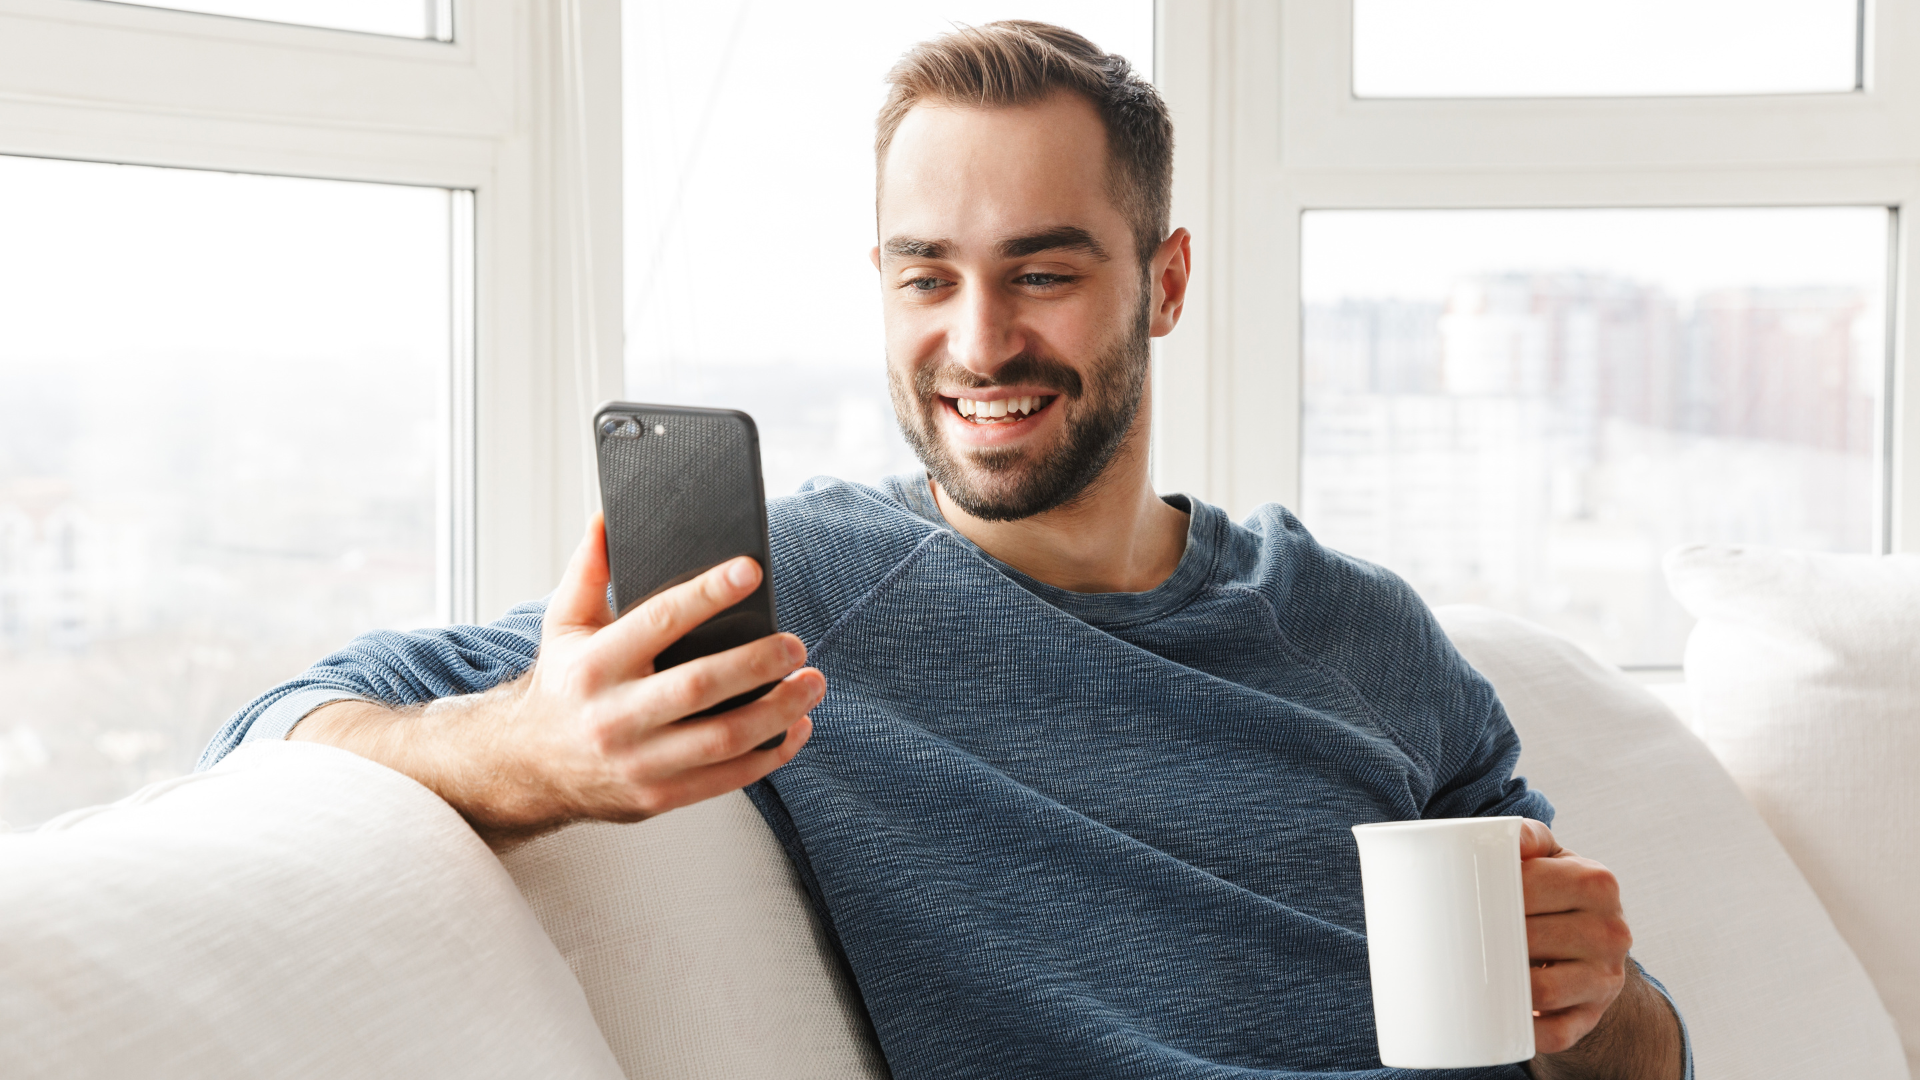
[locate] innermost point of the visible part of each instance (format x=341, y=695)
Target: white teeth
x=1000, y=407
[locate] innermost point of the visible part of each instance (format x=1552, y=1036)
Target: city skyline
x=1540, y=439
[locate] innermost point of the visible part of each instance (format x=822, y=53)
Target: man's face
x=1016, y=314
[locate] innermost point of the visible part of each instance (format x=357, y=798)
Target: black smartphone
x=681, y=491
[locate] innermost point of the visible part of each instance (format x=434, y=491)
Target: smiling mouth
x=1001, y=410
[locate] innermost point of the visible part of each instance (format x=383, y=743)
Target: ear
x=875, y=256
x=1172, y=269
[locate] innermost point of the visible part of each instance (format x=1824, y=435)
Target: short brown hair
x=1016, y=62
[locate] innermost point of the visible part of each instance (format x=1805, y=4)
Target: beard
x=1010, y=483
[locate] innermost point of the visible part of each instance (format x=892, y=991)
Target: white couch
x=301, y=912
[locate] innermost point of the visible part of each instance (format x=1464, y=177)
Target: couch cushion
x=1719, y=912
x=1805, y=675
x=295, y=912
x=694, y=942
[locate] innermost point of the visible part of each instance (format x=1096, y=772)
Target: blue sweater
x=1061, y=834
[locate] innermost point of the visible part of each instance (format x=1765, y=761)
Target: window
x=1515, y=330
x=223, y=451
x=749, y=134
x=1527, y=409
x=429, y=19
x=1588, y=48
x=329, y=369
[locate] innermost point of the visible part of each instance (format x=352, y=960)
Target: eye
x=1043, y=281
x=925, y=284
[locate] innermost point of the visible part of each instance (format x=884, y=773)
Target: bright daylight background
x=432, y=19
x=1528, y=408
x=1579, y=48
x=220, y=435
x=749, y=172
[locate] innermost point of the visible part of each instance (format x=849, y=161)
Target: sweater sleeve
x=394, y=668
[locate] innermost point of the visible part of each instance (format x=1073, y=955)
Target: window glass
x=749, y=204
x=428, y=19
x=220, y=449
x=1527, y=409
x=1584, y=48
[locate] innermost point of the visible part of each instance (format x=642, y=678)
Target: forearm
x=435, y=745
x=1638, y=1038
x=403, y=669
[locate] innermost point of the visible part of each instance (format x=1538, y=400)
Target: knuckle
x=657, y=615
x=722, y=741
x=693, y=690
x=577, y=678
x=770, y=658
x=650, y=801
x=601, y=736
x=1619, y=936
x=1601, y=881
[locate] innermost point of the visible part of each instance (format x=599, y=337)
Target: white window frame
x=522, y=109
x=1267, y=128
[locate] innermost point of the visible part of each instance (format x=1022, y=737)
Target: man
x=1079, y=798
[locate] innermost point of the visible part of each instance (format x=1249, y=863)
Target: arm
x=1596, y=1017
x=592, y=731
x=400, y=668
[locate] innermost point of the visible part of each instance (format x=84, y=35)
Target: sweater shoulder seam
x=886, y=581
x=1340, y=679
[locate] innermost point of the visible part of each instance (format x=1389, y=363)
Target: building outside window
x=1514, y=298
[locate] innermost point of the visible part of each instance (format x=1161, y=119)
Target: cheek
x=1086, y=325
x=911, y=331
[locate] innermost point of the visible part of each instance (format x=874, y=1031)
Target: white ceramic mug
x=1447, y=942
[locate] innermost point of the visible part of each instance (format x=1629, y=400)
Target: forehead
x=973, y=174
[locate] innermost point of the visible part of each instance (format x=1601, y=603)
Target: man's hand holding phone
x=592, y=731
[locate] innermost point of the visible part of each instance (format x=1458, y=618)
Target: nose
x=982, y=336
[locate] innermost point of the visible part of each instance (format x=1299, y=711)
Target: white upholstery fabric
x=1719, y=912
x=296, y=912
x=1805, y=674
x=693, y=940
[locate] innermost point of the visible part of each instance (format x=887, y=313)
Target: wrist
x=1637, y=1038
x=450, y=746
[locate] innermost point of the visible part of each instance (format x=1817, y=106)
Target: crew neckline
x=1108, y=611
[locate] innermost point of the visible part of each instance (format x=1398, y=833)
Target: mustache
x=1026, y=369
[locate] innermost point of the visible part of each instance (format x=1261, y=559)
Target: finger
x=1560, y=986
x=632, y=642
x=1579, y=935
x=580, y=603
x=1568, y=883
x=710, y=740
x=1554, y=1032
x=1536, y=841
x=1568, y=1002
x=695, y=785
x=698, y=685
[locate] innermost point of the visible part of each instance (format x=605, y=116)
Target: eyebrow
x=906, y=247
x=1058, y=238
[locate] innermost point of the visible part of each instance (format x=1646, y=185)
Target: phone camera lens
x=609, y=427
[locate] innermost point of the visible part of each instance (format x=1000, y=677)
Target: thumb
x=1536, y=841
x=580, y=603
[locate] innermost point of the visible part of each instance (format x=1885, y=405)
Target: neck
x=1116, y=536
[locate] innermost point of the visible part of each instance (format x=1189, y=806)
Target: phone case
x=682, y=493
